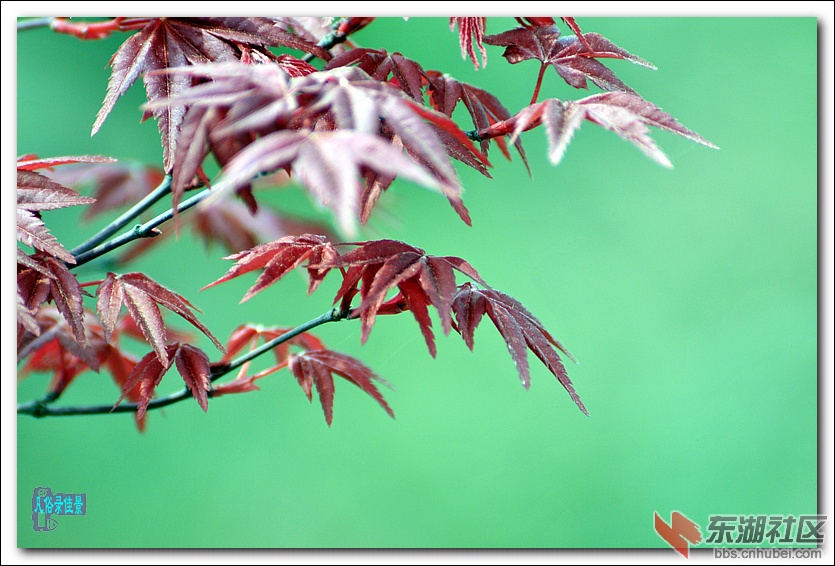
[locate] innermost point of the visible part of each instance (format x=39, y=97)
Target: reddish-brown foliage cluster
x=342, y=120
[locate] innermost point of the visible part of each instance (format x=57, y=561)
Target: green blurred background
x=688, y=296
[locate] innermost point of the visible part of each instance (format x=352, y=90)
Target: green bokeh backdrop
x=688, y=295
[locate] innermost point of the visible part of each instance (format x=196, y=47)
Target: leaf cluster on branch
x=283, y=100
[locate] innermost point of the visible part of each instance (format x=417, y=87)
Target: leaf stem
x=126, y=218
x=538, y=82
x=41, y=407
x=147, y=230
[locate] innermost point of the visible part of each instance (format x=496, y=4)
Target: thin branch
x=34, y=23
x=147, y=230
x=332, y=315
x=41, y=407
x=333, y=39
x=126, y=218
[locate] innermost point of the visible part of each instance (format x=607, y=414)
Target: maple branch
x=35, y=23
x=163, y=189
x=41, y=407
x=333, y=39
x=333, y=315
x=147, y=230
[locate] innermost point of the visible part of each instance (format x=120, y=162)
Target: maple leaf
x=147, y=374
x=194, y=368
x=312, y=29
x=33, y=288
x=519, y=328
x=166, y=43
x=36, y=193
x=574, y=59
x=294, y=120
x=32, y=162
x=627, y=115
x=57, y=357
x=49, y=279
x=58, y=350
x=278, y=258
x=407, y=74
x=329, y=165
x=142, y=295
x=470, y=30
x=316, y=367
x=485, y=109
x=25, y=319
x=422, y=280
x=26, y=261
x=31, y=231
x=65, y=291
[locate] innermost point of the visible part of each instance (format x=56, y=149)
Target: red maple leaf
x=329, y=129
x=316, y=367
x=519, y=328
x=485, y=109
x=329, y=164
x=628, y=115
x=278, y=258
x=65, y=291
x=405, y=73
x=58, y=352
x=470, y=30
x=142, y=295
x=191, y=362
x=378, y=266
x=165, y=43
x=575, y=58
x=36, y=193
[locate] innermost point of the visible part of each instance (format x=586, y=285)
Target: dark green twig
x=41, y=407
x=126, y=218
x=147, y=230
x=333, y=39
